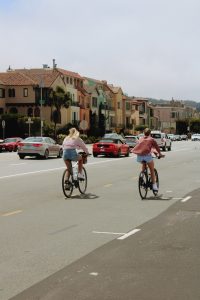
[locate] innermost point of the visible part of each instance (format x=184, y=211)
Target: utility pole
x=41, y=100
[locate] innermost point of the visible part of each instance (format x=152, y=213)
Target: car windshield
x=156, y=135
x=108, y=141
x=130, y=139
x=34, y=139
x=10, y=140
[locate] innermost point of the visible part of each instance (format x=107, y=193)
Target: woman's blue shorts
x=70, y=154
x=147, y=158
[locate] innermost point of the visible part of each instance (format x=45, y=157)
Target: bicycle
x=74, y=181
x=145, y=182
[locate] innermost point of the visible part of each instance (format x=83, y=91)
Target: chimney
x=54, y=63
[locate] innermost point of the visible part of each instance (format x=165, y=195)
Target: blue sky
x=148, y=47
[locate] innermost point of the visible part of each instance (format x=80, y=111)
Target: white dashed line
x=106, y=232
x=186, y=198
x=128, y=234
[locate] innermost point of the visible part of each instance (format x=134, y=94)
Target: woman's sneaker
x=155, y=187
x=81, y=176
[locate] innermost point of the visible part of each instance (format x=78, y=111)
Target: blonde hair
x=147, y=131
x=73, y=133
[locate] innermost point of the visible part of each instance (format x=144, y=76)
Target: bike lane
x=160, y=261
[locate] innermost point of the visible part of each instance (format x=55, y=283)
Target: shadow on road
x=158, y=197
x=84, y=196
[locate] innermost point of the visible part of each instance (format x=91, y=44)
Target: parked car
x=10, y=144
x=184, y=137
x=131, y=140
x=162, y=140
x=195, y=137
x=110, y=147
x=171, y=136
x=39, y=147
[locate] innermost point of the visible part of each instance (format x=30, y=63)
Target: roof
x=38, y=76
x=69, y=73
x=15, y=78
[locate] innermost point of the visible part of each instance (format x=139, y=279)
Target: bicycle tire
x=143, y=184
x=82, y=183
x=157, y=181
x=67, y=187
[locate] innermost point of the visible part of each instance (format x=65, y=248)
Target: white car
x=162, y=140
x=39, y=147
x=195, y=137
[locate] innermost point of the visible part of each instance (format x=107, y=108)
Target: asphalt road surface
x=78, y=248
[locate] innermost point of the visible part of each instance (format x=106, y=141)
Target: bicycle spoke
x=67, y=184
x=143, y=184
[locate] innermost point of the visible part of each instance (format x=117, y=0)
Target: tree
x=58, y=99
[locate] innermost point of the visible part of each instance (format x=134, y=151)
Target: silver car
x=40, y=147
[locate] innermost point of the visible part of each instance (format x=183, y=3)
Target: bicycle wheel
x=82, y=182
x=157, y=181
x=143, y=184
x=67, y=185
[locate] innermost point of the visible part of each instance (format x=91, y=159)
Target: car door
x=54, y=147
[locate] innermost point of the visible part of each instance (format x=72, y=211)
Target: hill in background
x=186, y=102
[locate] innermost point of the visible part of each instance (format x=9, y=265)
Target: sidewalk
x=160, y=262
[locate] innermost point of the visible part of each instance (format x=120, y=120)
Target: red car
x=10, y=144
x=110, y=147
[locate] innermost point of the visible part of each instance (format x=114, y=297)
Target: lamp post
x=41, y=100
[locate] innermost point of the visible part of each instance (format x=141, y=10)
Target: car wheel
x=170, y=148
x=94, y=154
x=60, y=154
x=15, y=149
x=21, y=156
x=46, y=154
x=119, y=153
x=164, y=148
x=128, y=152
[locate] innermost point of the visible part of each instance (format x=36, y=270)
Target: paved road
x=42, y=232
x=159, y=262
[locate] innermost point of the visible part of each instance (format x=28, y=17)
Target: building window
x=25, y=92
x=37, y=112
x=128, y=106
x=2, y=93
x=13, y=110
x=94, y=101
x=67, y=80
x=30, y=112
x=71, y=81
x=11, y=92
x=118, y=105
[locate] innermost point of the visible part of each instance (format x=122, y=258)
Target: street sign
x=41, y=101
x=3, y=123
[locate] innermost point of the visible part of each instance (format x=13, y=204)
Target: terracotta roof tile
x=69, y=73
x=15, y=78
x=47, y=76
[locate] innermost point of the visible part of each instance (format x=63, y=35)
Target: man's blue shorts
x=147, y=158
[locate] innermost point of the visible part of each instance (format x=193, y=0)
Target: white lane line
x=17, y=164
x=94, y=273
x=186, y=198
x=128, y=234
x=108, y=185
x=107, y=232
x=28, y=173
x=12, y=213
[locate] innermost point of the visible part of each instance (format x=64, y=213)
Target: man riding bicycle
x=144, y=149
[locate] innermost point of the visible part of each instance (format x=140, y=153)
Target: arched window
x=30, y=112
x=37, y=112
x=13, y=110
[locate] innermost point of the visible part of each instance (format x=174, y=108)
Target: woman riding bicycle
x=72, y=142
x=144, y=149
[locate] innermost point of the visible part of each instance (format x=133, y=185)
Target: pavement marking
x=128, y=234
x=108, y=185
x=17, y=164
x=169, y=191
x=177, y=198
x=186, y=198
x=12, y=213
x=107, y=232
x=94, y=273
